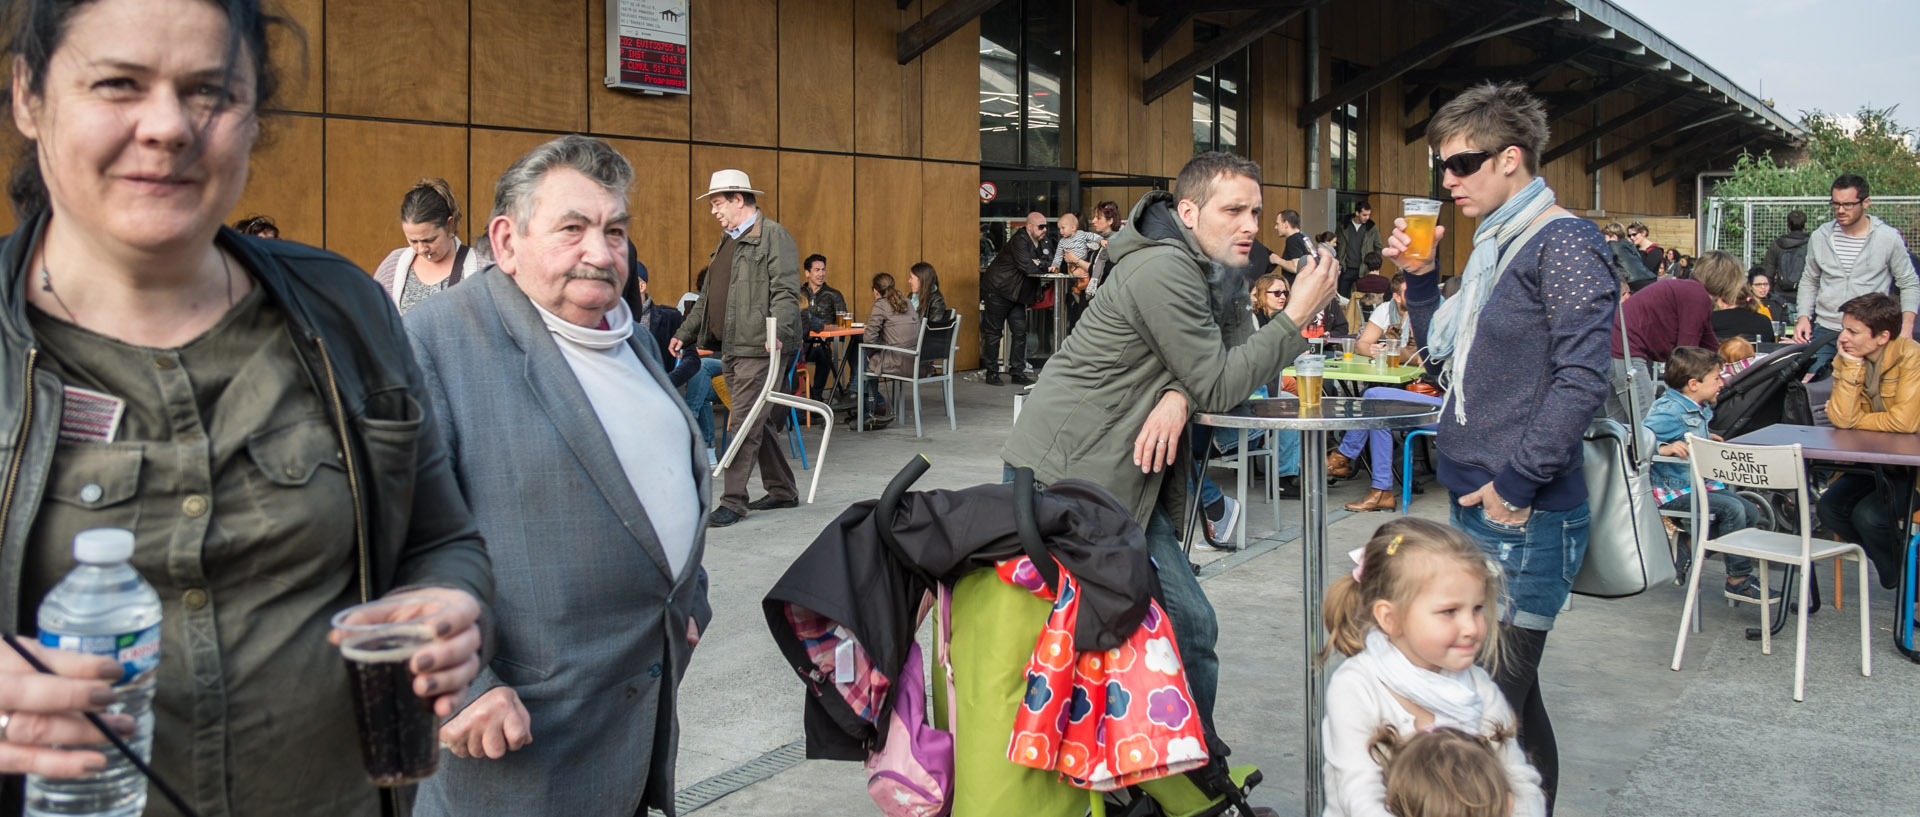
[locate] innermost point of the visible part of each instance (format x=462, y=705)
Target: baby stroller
x=858, y=594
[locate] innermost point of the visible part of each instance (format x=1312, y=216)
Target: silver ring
x=6, y=720
x=1159, y=442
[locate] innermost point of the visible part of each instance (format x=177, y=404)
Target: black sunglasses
x=1466, y=162
x=1276, y=292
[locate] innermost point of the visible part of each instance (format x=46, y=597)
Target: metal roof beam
x=1162, y=30
x=1230, y=40
x=1401, y=63
x=1595, y=165
x=933, y=28
x=1631, y=28
x=1639, y=112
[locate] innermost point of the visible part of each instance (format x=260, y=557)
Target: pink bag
x=913, y=775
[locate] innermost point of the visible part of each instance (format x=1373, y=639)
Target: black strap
x=459, y=263
x=1028, y=525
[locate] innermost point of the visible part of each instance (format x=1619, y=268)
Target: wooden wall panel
x=885, y=193
x=816, y=75
x=1103, y=84
x=735, y=85
x=950, y=96
x=1174, y=111
x=1143, y=122
x=300, y=57
x=628, y=113
x=818, y=210
x=949, y=217
x=370, y=166
x=703, y=234
x=660, y=218
x=489, y=154
x=526, y=70
x=287, y=180
x=373, y=71
x=886, y=94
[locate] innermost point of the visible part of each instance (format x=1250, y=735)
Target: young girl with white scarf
x=1415, y=620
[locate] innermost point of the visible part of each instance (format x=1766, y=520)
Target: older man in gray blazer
x=584, y=471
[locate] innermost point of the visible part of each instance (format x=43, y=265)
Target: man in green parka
x=1112, y=405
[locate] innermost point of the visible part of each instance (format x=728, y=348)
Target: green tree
x=1879, y=150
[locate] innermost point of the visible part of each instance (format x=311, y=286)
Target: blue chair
x=1903, y=632
x=1406, y=466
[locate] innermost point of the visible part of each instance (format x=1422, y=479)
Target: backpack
x=1789, y=266
x=912, y=775
x=1627, y=260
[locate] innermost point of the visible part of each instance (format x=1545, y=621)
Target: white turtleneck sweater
x=646, y=424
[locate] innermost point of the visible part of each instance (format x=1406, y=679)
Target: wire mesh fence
x=1745, y=227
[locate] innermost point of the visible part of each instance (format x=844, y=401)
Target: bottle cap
x=103, y=546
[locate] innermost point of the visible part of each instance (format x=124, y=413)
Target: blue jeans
x=700, y=397
x=1726, y=512
x=1380, y=441
x=1194, y=623
x=1539, y=558
x=1822, y=358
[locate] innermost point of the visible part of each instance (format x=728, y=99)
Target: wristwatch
x=1511, y=508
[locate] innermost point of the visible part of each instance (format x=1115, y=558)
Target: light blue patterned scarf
x=1454, y=325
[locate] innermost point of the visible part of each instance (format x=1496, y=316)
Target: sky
x=1829, y=55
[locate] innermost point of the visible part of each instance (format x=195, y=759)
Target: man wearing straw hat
x=753, y=274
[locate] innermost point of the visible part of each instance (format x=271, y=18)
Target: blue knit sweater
x=1538, y=370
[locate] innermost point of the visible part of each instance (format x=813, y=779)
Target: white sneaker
x=1218, y=533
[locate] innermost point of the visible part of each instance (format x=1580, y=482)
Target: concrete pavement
x=1722, y=737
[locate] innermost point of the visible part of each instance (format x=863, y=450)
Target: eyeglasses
x=1279, y=293
x=1466, y=162
x=1845, y=205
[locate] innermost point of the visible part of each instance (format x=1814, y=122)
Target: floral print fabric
x=1103, y=719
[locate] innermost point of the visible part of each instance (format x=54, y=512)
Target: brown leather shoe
x=1377, y=500
x=1339, y=466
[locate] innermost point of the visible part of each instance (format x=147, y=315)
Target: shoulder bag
x=1627, y=548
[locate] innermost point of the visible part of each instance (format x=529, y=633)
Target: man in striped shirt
x=1854, y=254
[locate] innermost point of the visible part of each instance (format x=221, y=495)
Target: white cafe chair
x=936, y=349
x=1766, y=467
x=768, y=395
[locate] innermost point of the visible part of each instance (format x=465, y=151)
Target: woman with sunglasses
x=1524, y=351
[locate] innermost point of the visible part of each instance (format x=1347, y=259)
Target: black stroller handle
x=1028, y=527
x=889, y=505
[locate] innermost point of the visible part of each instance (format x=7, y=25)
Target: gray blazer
x=592, y=625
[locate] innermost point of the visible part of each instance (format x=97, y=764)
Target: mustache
x=586, y=272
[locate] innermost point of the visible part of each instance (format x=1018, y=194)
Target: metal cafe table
x=1871, y=452
x=1333, y=414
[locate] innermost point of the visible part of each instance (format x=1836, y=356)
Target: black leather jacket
x=413, y=526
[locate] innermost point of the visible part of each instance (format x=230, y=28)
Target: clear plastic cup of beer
x=1421, y=215
x=1310, y=370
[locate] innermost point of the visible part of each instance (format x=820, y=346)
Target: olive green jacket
x=1149, y=331
x=764, y=282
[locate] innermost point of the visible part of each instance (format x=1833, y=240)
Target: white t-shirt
x=647, y=426
x=1387, y=315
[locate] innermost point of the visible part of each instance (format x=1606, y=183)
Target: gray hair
x=592, y=158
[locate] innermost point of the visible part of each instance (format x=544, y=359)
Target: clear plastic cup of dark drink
x=399, y=735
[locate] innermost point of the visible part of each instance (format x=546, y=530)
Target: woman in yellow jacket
x=1876, y=387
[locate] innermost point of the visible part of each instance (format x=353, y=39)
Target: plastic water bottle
x=105, y=608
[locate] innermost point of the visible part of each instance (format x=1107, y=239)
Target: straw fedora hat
x=729, y=181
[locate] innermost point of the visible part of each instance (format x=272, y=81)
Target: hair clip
x=1394, y=544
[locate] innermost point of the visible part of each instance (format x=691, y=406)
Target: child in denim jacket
x=1693, y=381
